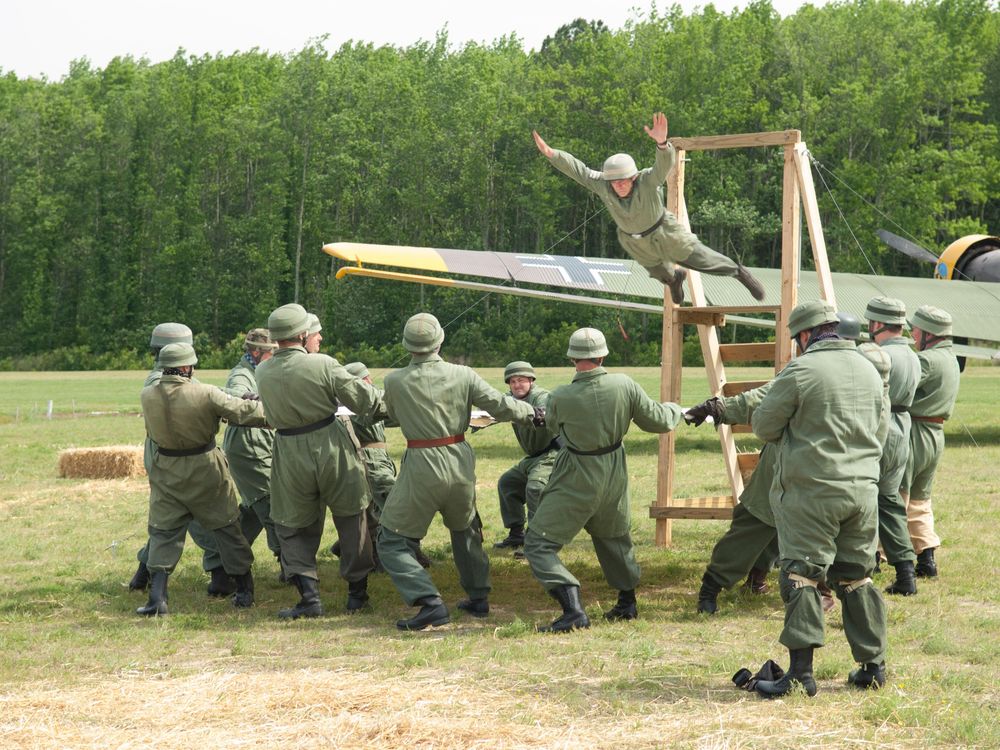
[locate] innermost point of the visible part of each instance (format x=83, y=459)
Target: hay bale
x=111, y=462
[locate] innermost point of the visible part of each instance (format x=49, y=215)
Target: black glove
x=251, y=396
x=539, y=419
x=696, y=415
x=770, y=671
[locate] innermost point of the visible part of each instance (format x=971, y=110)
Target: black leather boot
x=624, y=609
x=244, y=590
x=926, y=567
x=432, y=612
x=335, y=549
x=475, y=607
x=573, y=616
x=515, y=538
x=157, y=604
x=222, y=584
x=309, y=605
x=756, y=582
x=800, y=672
x=140, y=580
x=357, y=595
x=708, y=594
x=905, y=583
x=870, y=677
x=748, y=280
x=676, y=285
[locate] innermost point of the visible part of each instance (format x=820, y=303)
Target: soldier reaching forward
x=646, y=230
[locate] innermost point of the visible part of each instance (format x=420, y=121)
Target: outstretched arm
x=659, y=130
x=542, y=145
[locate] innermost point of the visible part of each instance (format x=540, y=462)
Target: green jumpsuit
x=521, y=485
x=642, y=210
x=316, y=462
x=903, y=377
x=933, y=403
x=430, y=400
x=210, y=559
x=588, y=488
x=824, y=412
x=248, y=450
x=189, y=476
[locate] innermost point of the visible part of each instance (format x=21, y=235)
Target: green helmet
x=849, y=326
x=886, y=310
x=878, y=357
x=170, y=333
x=259, y=340
x=807, y=315
x=934, y=320
x=422, y=334
x=518, y=369
x=287, y=322
x=357, y=369
x=314, y=325
x=177, y=355
x=619, y=167
x=587, y=343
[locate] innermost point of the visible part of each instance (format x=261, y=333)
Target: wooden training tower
x=799, y=195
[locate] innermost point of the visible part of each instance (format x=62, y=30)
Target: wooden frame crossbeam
x=798, y=198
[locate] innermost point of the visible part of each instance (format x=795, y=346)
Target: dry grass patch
x=112, y=462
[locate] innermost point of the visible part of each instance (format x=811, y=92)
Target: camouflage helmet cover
x=422, y=334
x=886, y=310
x=518, y=369
x=878, y=357
x=259, y=339
x=587, y=343
x=170, y=333
x=177, y=355
x=932, y=319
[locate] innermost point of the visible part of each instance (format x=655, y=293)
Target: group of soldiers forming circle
x=851, y=446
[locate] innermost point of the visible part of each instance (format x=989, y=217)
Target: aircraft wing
x=974, y=305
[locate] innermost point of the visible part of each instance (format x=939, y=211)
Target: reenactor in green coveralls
x=933, y=403
x=248, y=449
x=886, y=317
x=646, y=230
x=823, y=412
x=588, y=488
x=316, y=461
x=520, y=487
x=220, y=584
x=430, y=400
x=752, y=539
x=188, y=476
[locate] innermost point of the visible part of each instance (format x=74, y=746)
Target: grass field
x=80, y=670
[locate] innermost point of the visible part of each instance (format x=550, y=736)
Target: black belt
x=309, y=427
x=900, y=409
x=172, y=453
x=555, y=445
x=598, y=452
x=657, y=225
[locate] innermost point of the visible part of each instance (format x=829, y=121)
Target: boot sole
x=403, y=625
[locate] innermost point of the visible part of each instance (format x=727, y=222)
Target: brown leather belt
x=309, y=427
x=380, y=446
x=934, y=420
x=179, y=452
x=599, y=452
x=647, y=232
x=555, y=445
x=436, y=442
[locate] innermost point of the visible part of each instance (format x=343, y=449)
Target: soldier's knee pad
x=849, y=587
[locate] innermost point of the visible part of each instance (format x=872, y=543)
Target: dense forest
x=201, y=189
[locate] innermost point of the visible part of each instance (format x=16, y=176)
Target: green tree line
x=201, y=189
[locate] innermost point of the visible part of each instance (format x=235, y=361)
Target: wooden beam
x=791, y=248
x=739, y=140
x=700, y=316
x=741, y=429
x=752, y=352
x=813, y=222
x=681, y=511
x=747, y=462
x=735, y=387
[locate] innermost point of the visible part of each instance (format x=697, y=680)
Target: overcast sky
x=41, y=37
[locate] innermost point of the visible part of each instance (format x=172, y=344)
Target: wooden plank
x=747, y=463
x=736, y=387
x=741, y=429
x=752, y=352
x=735, y=309
x=738, y=140
x=704, y=514
x=791, y=249
x=700, y=317
x=814, y=223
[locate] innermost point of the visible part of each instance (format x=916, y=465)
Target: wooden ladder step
x=752, y=352
x=747, y=463
x=741, y=429
x=719, y=507
x=735, y=387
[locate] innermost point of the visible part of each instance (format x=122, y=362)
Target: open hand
x=659, y=130
x=542, y=145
